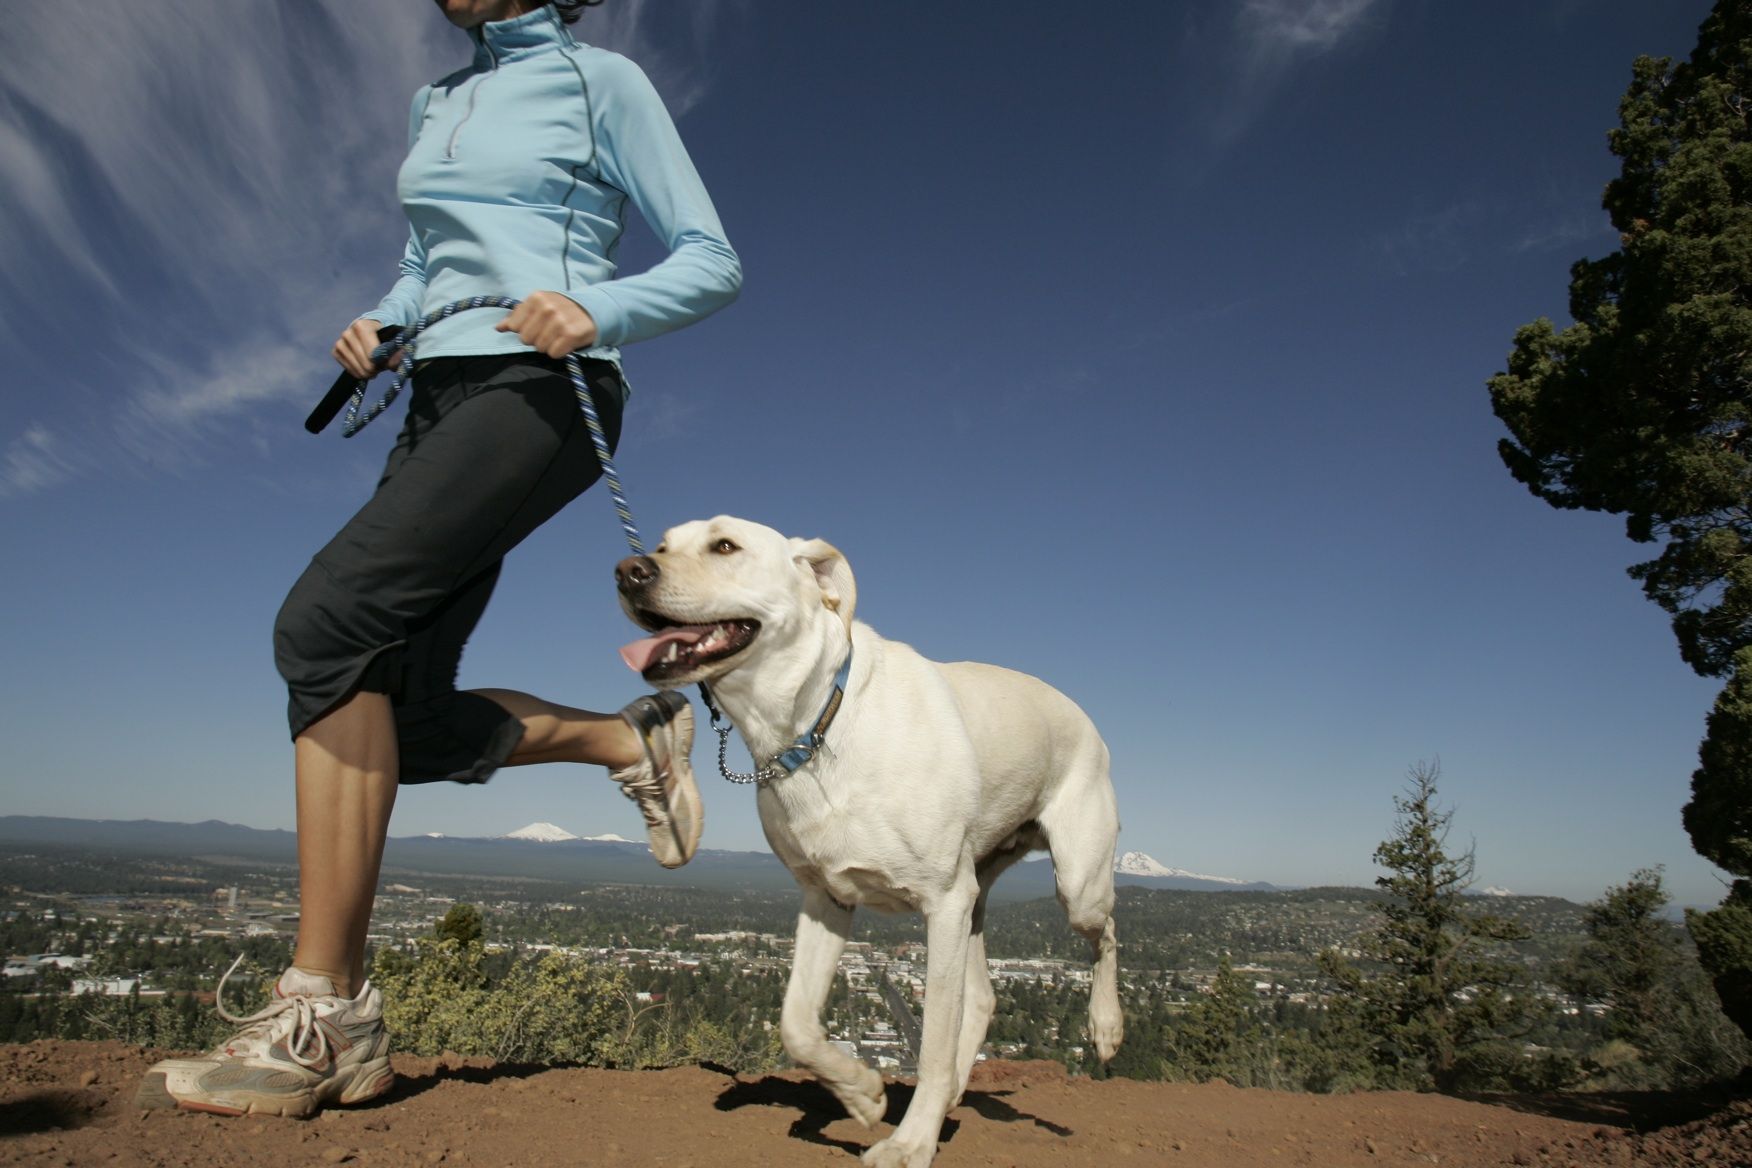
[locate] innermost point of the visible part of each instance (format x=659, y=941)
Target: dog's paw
x=1107, y=1031
x=866, y=1101
x=891, y=1153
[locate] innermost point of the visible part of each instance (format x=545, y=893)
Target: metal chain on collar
x=762, y=773
x=801, y=751
x=405, y=340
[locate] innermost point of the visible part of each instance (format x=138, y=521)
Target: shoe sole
x=678, y=724
x=152, y=1094
x=368, y=1081
x=686, y=793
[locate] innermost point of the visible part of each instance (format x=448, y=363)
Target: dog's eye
x=725, y=547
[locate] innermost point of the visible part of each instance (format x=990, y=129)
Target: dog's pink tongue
x=643, y=653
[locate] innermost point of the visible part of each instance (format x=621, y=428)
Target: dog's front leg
x=822, y=929
x=947, y=924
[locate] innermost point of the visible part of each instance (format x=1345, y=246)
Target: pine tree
x=462, y=924
x=1211, y=1039
x=1643, y=407
x=1640, y=966
x=1432, y=992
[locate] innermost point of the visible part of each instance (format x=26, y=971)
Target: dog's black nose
x=635, y=572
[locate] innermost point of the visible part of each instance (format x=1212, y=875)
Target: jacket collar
x=534, y=31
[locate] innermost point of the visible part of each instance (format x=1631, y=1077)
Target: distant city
x=115, y=908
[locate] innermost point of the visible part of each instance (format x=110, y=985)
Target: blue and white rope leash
x=358, y=417
x=405, y=340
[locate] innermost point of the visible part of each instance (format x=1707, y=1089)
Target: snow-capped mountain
x=541, y=833
x=576, y=862
x=552, y=833
x=1140, y=864
x=1495, y=890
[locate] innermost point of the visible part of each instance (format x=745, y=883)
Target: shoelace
x=300, y=1028
x=647, y=791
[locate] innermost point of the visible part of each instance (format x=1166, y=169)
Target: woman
x=518, y=170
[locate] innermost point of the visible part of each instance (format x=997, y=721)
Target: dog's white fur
x=933, y=779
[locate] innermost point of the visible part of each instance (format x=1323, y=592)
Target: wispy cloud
x=168, y=424
x=34, y=460
x=1562, y=233
x=37, y=182
x=676, y=44
x=1275, y=27
x=1269, y=40
x=1453, y=236
x=207, y=186
x=1433, y=241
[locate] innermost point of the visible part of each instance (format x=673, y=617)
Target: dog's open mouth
x=674, y=649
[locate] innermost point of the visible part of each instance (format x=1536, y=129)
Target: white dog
x=909, y=785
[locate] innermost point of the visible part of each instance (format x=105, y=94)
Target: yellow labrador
x=898, y=783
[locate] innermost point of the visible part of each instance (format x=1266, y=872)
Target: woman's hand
x=353, y=349
x=551, y=323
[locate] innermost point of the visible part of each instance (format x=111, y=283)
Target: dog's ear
x=839, y=593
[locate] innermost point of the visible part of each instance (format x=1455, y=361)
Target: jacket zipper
x=450, y=149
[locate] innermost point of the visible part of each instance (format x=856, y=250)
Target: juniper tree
x=462, y=924
x=1430, y=990
x=1643, y=407
x=1631, y=959
x=1212, y=1039
x=1640, y=965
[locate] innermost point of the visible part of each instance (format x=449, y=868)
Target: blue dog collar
x=802, y=750
x=806, y=744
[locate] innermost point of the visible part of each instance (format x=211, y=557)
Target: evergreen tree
x=1631, y=960
x=1211, y=1041
x=1433, y=993
x=1719, y=820
x=1643, y=407
x=1639, y=965
x=461, y=924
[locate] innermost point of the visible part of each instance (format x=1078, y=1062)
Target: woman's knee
x=325, y=637
x=295, y=627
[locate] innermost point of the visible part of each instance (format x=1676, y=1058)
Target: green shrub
x=547, y=1009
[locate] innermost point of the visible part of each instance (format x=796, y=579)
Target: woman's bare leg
x=347, y=775
x=553, y=733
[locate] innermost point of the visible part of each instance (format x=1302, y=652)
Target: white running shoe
x=662, y=783
x=307, y=1048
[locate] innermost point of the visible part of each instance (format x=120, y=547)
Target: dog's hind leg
x=822, y=929
x=1106, y=1020
x=1082, y=826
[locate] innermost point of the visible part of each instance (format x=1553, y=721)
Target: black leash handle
x=345, y=386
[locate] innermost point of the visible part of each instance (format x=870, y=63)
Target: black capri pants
x=492, y=448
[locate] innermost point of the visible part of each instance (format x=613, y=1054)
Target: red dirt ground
x=71, y=1103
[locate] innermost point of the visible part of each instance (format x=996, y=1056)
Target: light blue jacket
x=518, y=173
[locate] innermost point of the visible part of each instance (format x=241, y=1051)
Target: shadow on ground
x=1635, y=1111
x=819, y=1108
x=407, y=1086
x=43, y=1111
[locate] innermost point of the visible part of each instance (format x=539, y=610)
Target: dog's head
x=718, y=591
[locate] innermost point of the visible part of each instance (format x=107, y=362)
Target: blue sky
x=1141, y=347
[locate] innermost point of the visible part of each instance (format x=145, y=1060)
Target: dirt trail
x=70, y=1103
